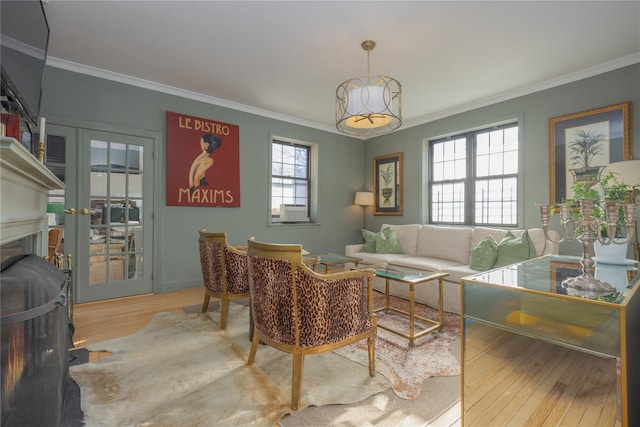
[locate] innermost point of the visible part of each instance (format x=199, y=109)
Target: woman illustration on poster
x=197, y=177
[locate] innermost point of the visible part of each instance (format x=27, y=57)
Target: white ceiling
x=285, y=59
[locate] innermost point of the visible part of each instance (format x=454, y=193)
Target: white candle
x=41, y=129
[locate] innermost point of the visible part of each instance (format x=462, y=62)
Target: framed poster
x=203, y=162
x=582, y=144
x=387, y=182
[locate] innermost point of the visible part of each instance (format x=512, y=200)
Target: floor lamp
x=628, y=172
x=364, y=199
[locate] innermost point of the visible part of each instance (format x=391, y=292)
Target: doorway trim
x=158, y=162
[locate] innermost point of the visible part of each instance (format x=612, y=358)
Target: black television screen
x=24, y=38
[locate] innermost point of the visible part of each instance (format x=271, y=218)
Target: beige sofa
x=441, y=248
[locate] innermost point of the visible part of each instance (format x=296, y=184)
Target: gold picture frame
x=582, y=144
x=387, y=182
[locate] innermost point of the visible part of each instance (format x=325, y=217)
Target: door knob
x=86, y=211
x=70, y=211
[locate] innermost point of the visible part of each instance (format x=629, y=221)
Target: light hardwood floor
x=512, y=380
x=103, y=320
x=99, y=321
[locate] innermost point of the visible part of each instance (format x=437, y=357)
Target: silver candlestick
x=587, y=230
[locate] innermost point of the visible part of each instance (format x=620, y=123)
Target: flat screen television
x=24, y=42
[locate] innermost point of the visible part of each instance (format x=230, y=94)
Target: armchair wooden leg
x=205, y=304
x=296, y=380
x=254, y=347
x=371, y=345
x=224, y=313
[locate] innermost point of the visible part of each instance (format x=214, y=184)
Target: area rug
x=182, y=370
x=405, y=366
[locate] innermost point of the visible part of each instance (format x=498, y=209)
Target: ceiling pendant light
x=368, y=105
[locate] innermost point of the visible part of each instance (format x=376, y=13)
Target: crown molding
x=170, y=90
x=147, y=84
x=538, y=87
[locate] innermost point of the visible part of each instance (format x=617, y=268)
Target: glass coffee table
x=328, y=259
x=411, y=277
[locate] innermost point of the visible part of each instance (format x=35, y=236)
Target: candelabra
x=587, y=229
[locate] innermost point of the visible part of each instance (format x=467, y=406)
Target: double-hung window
x=473, y=177
x=290, y=181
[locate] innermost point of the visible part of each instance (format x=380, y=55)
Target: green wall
x=72, y=98
x=534, y=110
x=345, y=164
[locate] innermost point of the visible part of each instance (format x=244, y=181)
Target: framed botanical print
x=387, y=182
x=582, y=144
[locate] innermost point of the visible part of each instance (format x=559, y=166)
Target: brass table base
x=412, y=335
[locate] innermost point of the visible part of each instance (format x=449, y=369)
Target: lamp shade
x=365, y=108
x=369, y=105
x=627, y=171
x=364, y=198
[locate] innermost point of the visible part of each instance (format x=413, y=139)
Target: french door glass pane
x=117, y=231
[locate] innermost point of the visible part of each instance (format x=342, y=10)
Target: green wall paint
x=534, y=110
x=80, y=100
x=345, y=164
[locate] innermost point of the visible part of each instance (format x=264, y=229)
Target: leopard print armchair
x=224, y=271
x=299, y=311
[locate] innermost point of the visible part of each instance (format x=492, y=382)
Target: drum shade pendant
x=369, y=105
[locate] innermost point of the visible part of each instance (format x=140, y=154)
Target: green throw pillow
x=484, y=254
x=513, y=249
x=388, y=243
x=370, y=239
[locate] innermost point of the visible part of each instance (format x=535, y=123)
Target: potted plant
x=611, y=189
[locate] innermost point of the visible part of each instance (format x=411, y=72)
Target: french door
x=105, y=209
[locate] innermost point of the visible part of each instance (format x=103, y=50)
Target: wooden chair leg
x=224, y=313
x=371, y=344
x=296, y=380
x=205, y=304
x=254, y=347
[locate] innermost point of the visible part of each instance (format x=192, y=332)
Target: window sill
x=283, y=225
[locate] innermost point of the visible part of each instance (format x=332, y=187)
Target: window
x=290, y=181
x=474, y=177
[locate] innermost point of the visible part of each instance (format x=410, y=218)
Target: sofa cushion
x=372, y=259
x=388, y=243
x=448, y=243
x=407, y=236
x=428, y=264
x=514, y=249
x=484, y=254
x=457, y=272
x=536, y=235
x=479, y=233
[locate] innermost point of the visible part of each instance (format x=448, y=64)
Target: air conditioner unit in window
x=293, y=213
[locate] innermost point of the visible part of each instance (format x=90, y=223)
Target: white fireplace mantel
x=24, y=184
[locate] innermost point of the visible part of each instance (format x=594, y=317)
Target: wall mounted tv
x=24, y=41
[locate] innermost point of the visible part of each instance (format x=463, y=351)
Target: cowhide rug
x=407, y=367
x=180, y=370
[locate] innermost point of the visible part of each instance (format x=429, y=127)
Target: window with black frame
x=290, y=182
x=473, y=177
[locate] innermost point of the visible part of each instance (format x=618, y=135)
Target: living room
x=78, y=99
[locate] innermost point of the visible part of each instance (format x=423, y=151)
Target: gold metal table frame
x=411, y=277
x=330, y=260
x=526, y=304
